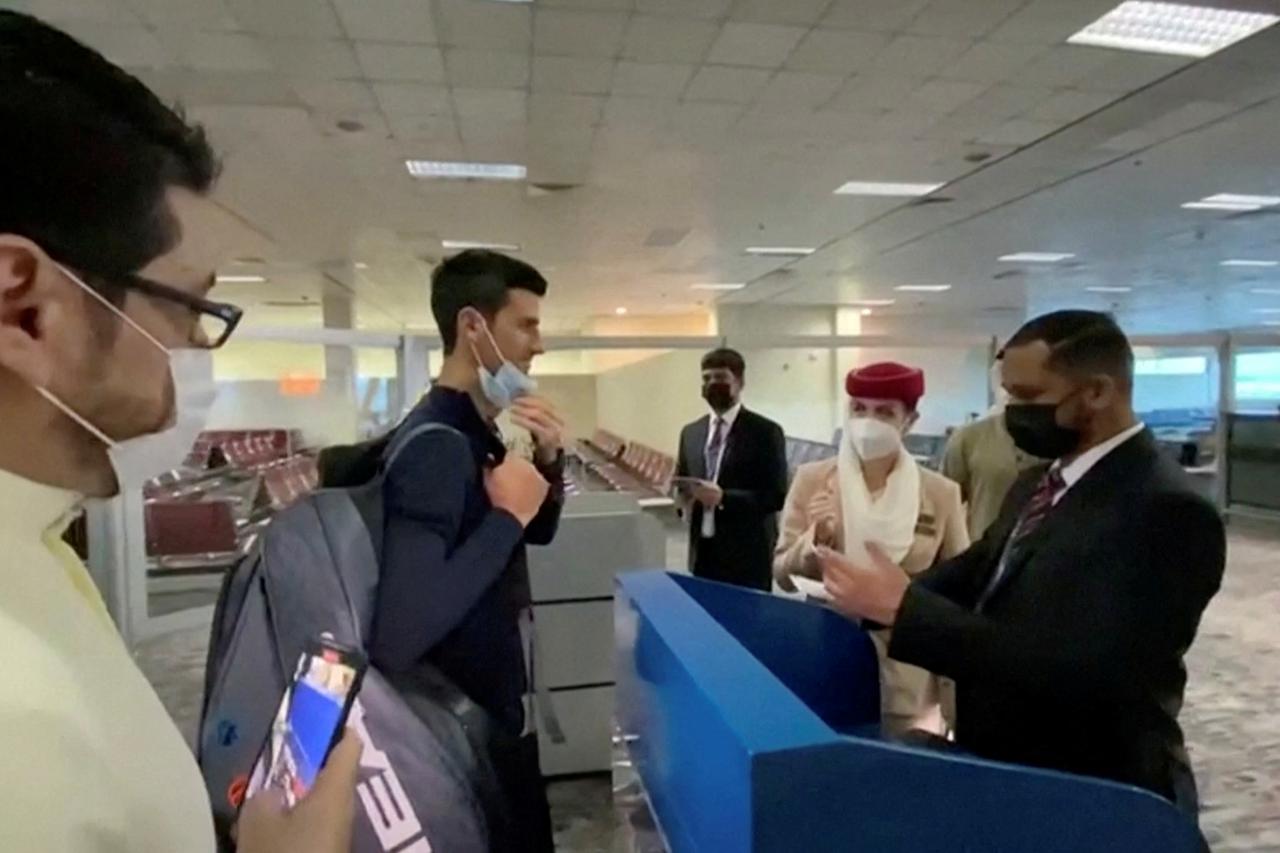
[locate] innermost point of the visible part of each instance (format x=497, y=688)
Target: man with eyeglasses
x=105, y=332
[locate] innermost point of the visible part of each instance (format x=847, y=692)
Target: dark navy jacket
x=455, y=580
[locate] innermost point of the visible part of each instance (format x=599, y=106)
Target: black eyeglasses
x=215, y=320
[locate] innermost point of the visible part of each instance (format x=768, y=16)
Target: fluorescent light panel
x=1265, y=291
x=872, y=303
x=1171, y=28
x=923, y=288
x=780, y=251
x=460, y=245
x=1036, y=257
x=467, y=171
x=1109, y=289
x=886, y=188
x=723, y=286
x=1266, y=310
x=240, y=279
x=1234, y=202
x=1220, y=205
x=1244, y=262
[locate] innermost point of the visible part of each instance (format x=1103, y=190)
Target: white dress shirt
x=1073, y=472
x=709, y=518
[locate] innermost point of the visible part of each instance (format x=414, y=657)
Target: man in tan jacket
x=873, y=491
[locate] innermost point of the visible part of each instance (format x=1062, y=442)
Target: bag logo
x=383, y=798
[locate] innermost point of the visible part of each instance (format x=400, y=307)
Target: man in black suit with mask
x=1065, y=627
x=732, y=466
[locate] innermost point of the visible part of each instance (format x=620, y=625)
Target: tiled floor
x=1232, y=715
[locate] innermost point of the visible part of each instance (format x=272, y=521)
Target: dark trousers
x=519, y=773
x=710, y=562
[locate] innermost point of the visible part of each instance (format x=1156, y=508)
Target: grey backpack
x=425, y=779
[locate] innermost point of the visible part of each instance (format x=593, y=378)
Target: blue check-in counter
x=752, y=722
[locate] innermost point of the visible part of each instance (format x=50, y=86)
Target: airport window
x=1192, y=365
x=1257, y=378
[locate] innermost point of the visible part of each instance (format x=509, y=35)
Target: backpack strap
x=403, y=438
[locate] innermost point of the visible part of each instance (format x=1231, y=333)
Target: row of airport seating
x=627, y=466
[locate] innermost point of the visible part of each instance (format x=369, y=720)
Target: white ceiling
x=674, y=133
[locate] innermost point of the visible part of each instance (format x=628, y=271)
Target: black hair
x=1080, y=343
x=87, y=155
x=726, y=359
x=478, y=279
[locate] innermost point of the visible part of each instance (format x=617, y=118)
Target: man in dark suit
x=734, y=468
x=1065, y=627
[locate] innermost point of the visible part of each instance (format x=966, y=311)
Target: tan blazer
x=909, y=695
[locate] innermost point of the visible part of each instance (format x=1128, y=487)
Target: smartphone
x=310, y=720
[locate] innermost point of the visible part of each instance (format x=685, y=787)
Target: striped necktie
x=712, y=457
x=1051, y=485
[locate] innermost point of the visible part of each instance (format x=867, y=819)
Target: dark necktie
x=712, y=458
x=1051, y=485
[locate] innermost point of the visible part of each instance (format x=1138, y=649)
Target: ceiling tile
x=795, y=91
x=730, y=85
x=129, y=47
x=651, y=80
x=1006, y=101
x=496, y=26
x=387, y=20
x=943, y=96
x=406, y=99
x=992, y=62
x=1019, y=131
x=1050, y=21
x=572, y=75
x=321, y=58
x=571, y=113
x=806, y=12
x=918, y=56
x=62, y=11
x=902, y=124
x=694, y=121
x=698, y=9
x=286, y=18
x=498, y=104
x=1126, y=72
x=872, y=93
x=963, y=18
x=963, y=127
x=836, y=51
x=423, y=128
x=400, y=62
x=559, y=32
x=195, y=14
x=762, y=45
x=336, y=96
x=486, y=69
x=217, y=51
x=625, y=112
x=1069, y=105
x=1065, y=65
x=592, y=5
x=873, y=14
x=651, y=39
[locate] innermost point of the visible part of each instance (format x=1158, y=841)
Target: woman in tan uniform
x=874, y=491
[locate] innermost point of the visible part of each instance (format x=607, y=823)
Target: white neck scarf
x=890, y=520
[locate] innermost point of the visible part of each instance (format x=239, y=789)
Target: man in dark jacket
x=459, y=510
x=1065, y=627
x=733, y=465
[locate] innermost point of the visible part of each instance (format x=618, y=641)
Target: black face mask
x=719, y=396
x=1034, y=429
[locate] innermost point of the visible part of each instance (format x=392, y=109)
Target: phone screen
x=309, y=721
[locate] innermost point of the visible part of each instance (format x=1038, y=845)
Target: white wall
x=794, y=388
x=575, y=398
x=651, y=401
x=955, y=380
x=327, y=417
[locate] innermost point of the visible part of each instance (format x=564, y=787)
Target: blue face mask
x=507, y=384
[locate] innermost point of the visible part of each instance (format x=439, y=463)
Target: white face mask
x=872, y=438
x=143, y=458
x=508, y=384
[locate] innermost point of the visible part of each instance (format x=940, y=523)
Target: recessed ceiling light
x=872, y=303
x=620, y=311
x=1266, y=291
x=881, y=188
x=1266, y=310
x=1242, y=262
x=923, y=288
x=1233, y=201
x=1172, y=28
x=474, y=244
x=240, y=279
x=866, y=312
x=1109, y=289
x=1036, y=257
x=780, y=251
x=471, y=171
x=361, y=265
x=723, y=286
